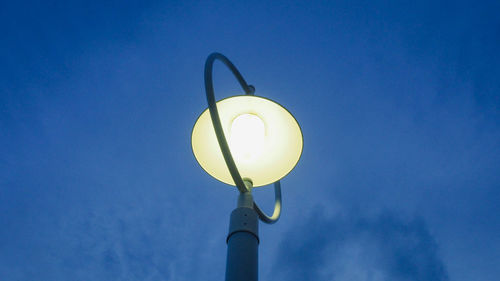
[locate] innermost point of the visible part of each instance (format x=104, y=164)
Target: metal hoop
x=221, y=138
x=277, y=206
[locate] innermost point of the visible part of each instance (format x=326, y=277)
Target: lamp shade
x=265, y=140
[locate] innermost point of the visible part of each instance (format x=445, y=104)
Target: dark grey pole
x=243, y=242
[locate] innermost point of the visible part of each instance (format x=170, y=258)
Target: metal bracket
x=221, y=138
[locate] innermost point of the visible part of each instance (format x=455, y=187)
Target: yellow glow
x=264, y=138
x=246, y=137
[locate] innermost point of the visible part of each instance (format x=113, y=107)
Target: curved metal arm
x=221, y=138
x=277, y=206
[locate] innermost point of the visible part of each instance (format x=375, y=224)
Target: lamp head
x=265, y=140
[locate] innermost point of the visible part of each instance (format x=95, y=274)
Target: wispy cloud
x=357, y=247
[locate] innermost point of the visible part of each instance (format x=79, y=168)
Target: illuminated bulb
x=246, y=137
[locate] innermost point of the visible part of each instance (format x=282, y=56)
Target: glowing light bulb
x=246, y=137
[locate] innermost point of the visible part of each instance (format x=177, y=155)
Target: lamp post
x=245, y=141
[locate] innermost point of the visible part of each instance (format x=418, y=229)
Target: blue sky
x=398, y=103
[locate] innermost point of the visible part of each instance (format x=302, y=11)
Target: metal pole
x=243, y=240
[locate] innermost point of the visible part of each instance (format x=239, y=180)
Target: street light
x=245, y=141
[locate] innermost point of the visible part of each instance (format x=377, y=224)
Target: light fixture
x=265, y=140
x=245, y=141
